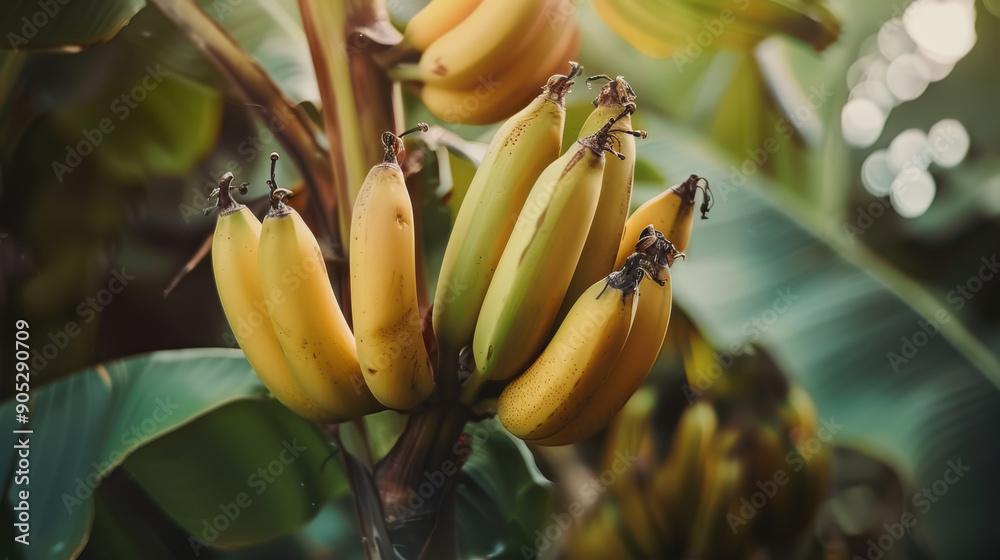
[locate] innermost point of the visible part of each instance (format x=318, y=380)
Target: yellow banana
x=630, y=368
x=314, y=336
x=671, y=212
x=575, y=362
x=601, y=247
x=652, y=43
x=387, y=323
x=527, y=143
x=500, y=94
x=538, y=262
x=486, y=41
x=678, y=480
x=436, y=19
x=234, y=262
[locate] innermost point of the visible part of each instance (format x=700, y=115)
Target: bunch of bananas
x=738, y=477
x=662, y=28
x=277, y=296
x=481, y=59
x=529, y=281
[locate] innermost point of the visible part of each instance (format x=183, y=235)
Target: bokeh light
x=912, y=192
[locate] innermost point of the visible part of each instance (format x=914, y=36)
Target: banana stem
x=471, y=389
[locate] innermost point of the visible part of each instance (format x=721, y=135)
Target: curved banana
x=605, y=235
x=317, y=343
x=724, y=484
x=652, y=316
x=527, y=143
x=500, y=94
x=234, y=262
x=436, y=19
x=679, y=478
x=671, y=212
x=538, y=262
x=630, y=429
x=387, y=324
x=575, y=362
x=486, y=41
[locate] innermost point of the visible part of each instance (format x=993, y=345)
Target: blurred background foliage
x=132, y=206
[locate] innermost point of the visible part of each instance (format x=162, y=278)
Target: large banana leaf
x=62, y=24
x=269, y=30
x=756, y=274
x=85, y=426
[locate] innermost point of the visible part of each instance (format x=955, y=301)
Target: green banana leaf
x=85, y=426
x=247, y=473
x=61, y=24
x=503, y=498
x=269, y=30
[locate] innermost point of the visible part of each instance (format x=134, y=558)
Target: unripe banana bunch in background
x=276, y=294
x=663, y=28
x=482, y=60
x=732, y=480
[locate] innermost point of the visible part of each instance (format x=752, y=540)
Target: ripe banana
x=538, y=262
x=234, y=262
x=316, y=341
x=671, y=212
x=500, y=94
x=604, y=237
x=641, y=348
x=575, y=362
x=494, y=33
x=387, y=324
x=436, y=19
x=527, y=143
x=661, y=28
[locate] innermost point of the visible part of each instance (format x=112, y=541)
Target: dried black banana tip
x=223, y=195
x=276, y=194
x=393, y=143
